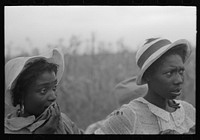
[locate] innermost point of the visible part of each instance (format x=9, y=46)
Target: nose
x=179, y=79
x=52, y=96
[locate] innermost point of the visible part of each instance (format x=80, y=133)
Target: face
x=41, y=94
x=168, y=79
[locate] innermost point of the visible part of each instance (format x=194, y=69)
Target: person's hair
x=177, y=50
x=29, y=76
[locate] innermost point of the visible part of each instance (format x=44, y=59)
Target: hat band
x=152, y=49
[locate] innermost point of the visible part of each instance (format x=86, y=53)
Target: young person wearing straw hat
x=31, y=87
x=161, y=66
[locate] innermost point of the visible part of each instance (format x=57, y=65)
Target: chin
x=40, y=113
x=173, y=96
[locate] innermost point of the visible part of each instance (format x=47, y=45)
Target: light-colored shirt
x=142, y=117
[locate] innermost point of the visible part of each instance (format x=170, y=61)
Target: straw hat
x=14, y=67
x=153, y=49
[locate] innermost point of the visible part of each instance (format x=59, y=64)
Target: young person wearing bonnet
x=31, y=84
x=161, y=64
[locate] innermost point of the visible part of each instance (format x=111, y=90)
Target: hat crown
x=148, y=48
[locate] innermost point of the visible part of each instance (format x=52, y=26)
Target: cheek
x=34, y=103
x=161, y=84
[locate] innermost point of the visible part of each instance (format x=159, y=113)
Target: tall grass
x=85, y=93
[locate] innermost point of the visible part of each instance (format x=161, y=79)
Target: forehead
x=46, y=77
x=173, y=60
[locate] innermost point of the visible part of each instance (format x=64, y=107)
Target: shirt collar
x=15, y=123
x=177, y=115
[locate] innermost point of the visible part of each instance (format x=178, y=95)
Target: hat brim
x=159, y=53
x=53, y=56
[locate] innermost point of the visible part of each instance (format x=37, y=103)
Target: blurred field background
x=86, y=92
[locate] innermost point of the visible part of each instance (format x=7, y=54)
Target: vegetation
x=86, y=93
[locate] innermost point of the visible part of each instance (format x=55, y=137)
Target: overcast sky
x=37, y=26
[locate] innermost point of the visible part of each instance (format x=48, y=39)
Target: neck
x=25, y=114
x=157, y=100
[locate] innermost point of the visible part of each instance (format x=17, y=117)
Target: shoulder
x=138, y=105
x=140, y=108
x=65, y=117
x=21, y=131
x=70, y=124
x=190, y=111
x=66, y=120
x=120, y=121
x=187, y=106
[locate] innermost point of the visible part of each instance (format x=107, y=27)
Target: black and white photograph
x=100, y=70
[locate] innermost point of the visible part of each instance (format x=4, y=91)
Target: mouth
x=177, y=91
x=47, y=106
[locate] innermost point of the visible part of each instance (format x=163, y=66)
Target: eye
x=43, y=90
x=54, y=88
x=181, y=71
x=169, y=74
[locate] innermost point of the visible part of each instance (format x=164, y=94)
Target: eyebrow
x=47, y=83
x=180, y=67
